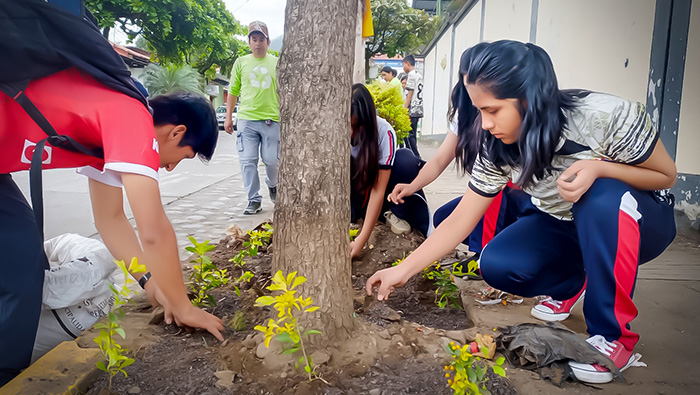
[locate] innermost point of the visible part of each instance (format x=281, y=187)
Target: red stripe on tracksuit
x=491, y=219
x=626, y=262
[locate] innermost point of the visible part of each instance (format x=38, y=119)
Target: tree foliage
x=161, y=80
x=197, y=32
x=398, y=28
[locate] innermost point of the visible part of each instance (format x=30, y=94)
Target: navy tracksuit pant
x=415, y=208
x=22, y=263
x=505, y=209
x=615, y=229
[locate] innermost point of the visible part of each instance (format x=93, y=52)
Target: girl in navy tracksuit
x=594, y=166
x=376, y=167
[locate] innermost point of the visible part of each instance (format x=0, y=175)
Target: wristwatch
x=144, y=279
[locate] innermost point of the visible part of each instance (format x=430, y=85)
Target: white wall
x=687, y=158
x=600, y=45
x=428, y=93
x=507, y=19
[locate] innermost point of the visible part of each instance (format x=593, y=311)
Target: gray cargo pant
x=253, y=137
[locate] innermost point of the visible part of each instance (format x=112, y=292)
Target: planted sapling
x=114, y=353
x=286, y=328
x=466, y=374
x=205, y=275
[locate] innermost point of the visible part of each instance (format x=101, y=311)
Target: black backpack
x=39, y=38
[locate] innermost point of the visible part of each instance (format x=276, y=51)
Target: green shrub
x=389, y=102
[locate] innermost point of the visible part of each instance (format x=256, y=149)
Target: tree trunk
x=312, y=215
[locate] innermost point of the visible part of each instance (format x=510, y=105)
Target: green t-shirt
x=254, y=81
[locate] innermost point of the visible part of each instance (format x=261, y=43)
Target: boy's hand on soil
x=400, y=191
x=156, y=298
x=197, y=318
x=577, y=179
x=386, y=280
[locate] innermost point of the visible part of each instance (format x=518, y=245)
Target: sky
x=271, y=12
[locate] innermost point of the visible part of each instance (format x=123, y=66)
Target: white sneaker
x=556, y=310
x=596, y=374
x=398, y=226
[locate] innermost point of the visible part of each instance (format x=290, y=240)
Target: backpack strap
x=16, y=92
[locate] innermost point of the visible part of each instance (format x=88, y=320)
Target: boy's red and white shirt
x=78, y=106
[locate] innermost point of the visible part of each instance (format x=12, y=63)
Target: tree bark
x=312, y=215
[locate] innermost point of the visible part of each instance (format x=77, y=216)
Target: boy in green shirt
x=254, y=79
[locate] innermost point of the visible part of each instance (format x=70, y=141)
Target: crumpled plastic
x=548, y=349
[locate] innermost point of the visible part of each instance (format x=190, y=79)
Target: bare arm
x=657, y=172
x=159, y=246
x=409, y=97
x=230, y=105
x=429, y=172
x=446, y=237
x=374, y=208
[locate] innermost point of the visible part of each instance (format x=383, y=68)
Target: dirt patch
x=403, y=355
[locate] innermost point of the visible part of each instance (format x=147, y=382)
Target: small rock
x=249, y=341
x=157, y=316
x=396, y=339
x=457, y=336
x=133, y=391
x=225, y=378
x=283, y=375
x=384, y=334
x=428, y=331
x=375, y=391
x=320, y=357
x=383, y=311
x=243, y=350
x=262, y=351
x=394, y=330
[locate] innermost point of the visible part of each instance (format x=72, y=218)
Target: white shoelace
x=601, y=344
x=553, y=302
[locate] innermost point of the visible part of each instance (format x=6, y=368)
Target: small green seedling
x=286, y=328
x=256, y=239
x=245, y=277
x=205, y=275
x=114, y=353
x=469, y=371
x=353, y=234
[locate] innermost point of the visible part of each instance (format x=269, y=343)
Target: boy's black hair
x=193, y=111
x=403, y=77
x=410, y=60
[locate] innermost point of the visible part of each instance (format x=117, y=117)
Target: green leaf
x=307, y=369
x=312, y=332
x=500, y=360
x=120, y=332
x=101, y=366
x=499, y=371
x=265, y=301
x=284, y=337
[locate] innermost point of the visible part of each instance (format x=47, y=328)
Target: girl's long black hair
x=511, y=69
x=365, y=135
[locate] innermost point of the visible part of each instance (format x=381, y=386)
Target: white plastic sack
x=76, y=289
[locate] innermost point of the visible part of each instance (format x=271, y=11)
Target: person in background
x=389, y=75
x=414, y=101
x=254, y=79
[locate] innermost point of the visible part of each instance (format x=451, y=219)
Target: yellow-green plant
x=246, y=276
x=389, y=103
x=205, y=275
x=447, y=292
x=466, y=374
x=256, y=239
x=286, y=328
x=353, y=233
x=114, y=353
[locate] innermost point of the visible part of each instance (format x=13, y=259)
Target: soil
x=399, y=347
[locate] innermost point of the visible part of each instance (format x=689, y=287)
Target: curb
x=67, y=369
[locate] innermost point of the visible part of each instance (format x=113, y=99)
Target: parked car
x=221, y=117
